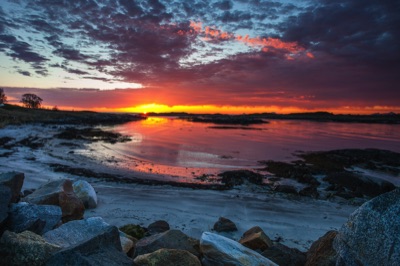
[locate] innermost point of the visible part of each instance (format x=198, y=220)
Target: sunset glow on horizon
x=219, y=56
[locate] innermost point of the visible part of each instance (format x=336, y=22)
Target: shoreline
x=296, y=221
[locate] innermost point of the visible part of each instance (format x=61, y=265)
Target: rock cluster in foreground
x=47, y=227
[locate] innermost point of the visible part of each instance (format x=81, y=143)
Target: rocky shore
x=47, y=226
x=66, y=208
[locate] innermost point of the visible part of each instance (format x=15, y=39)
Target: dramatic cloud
x=315, y=53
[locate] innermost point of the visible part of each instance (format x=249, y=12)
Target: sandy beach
x=293, y=220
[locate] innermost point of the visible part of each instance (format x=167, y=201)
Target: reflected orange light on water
x=203, y=109
x=229, y=109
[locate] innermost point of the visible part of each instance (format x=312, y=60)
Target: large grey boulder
x=15, y=181
x=47, y=194
x=171, y=239
x=26, y=248
x=102, y=249
x=86, y=193
x=75, y=232
x=36, y=218
x=371, y=236
x=59, y=193
x=219, y=250
x=168, y=257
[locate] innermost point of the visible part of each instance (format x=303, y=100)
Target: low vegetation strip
x=16, y=115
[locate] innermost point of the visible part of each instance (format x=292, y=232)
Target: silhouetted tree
x=3, y=97
x=30, y=100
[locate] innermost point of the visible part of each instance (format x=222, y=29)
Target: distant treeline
x=389, y=118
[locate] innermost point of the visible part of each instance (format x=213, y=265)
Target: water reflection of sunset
x=183, y=149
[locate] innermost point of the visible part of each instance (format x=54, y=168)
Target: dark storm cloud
x=70, y=54
x=355, y=44
x=363, y=31
x=22, y=51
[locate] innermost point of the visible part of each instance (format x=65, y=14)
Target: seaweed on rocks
x=92, y=134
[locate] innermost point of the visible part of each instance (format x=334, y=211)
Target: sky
x=226, y=56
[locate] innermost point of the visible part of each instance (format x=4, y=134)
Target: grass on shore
x=17, y=115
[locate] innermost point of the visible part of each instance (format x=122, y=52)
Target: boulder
x=47, y=194
x=26, y=248
x=5, y=199
x=283, y=255
x=86, y=193
x=171, y=239
x=158, y=227
x=224, y=225
x=256, y=239
x=75, y=232
x=218, y=251
x=59, y=193
x=104, y=248
x=14, y=181
x=72, y=207
x=168, y=257
x=36, y=218
x=321, y=252
x=371, y=234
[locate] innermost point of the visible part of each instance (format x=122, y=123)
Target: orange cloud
x=310, y=55
x=196, y=26
x=266, y=44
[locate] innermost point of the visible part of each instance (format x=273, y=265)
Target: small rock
x=14, y=181
x=103, y=248
x=219, y=251
x=36, y=218
x=321, y=252
x=158, y=227
x=283, y=255
x=127, y=244
x=168, y=257
x=224, y=225
x=171, y=239
x=371, y=234
x=26, y=248
x=86, y=193
x=256, y=239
